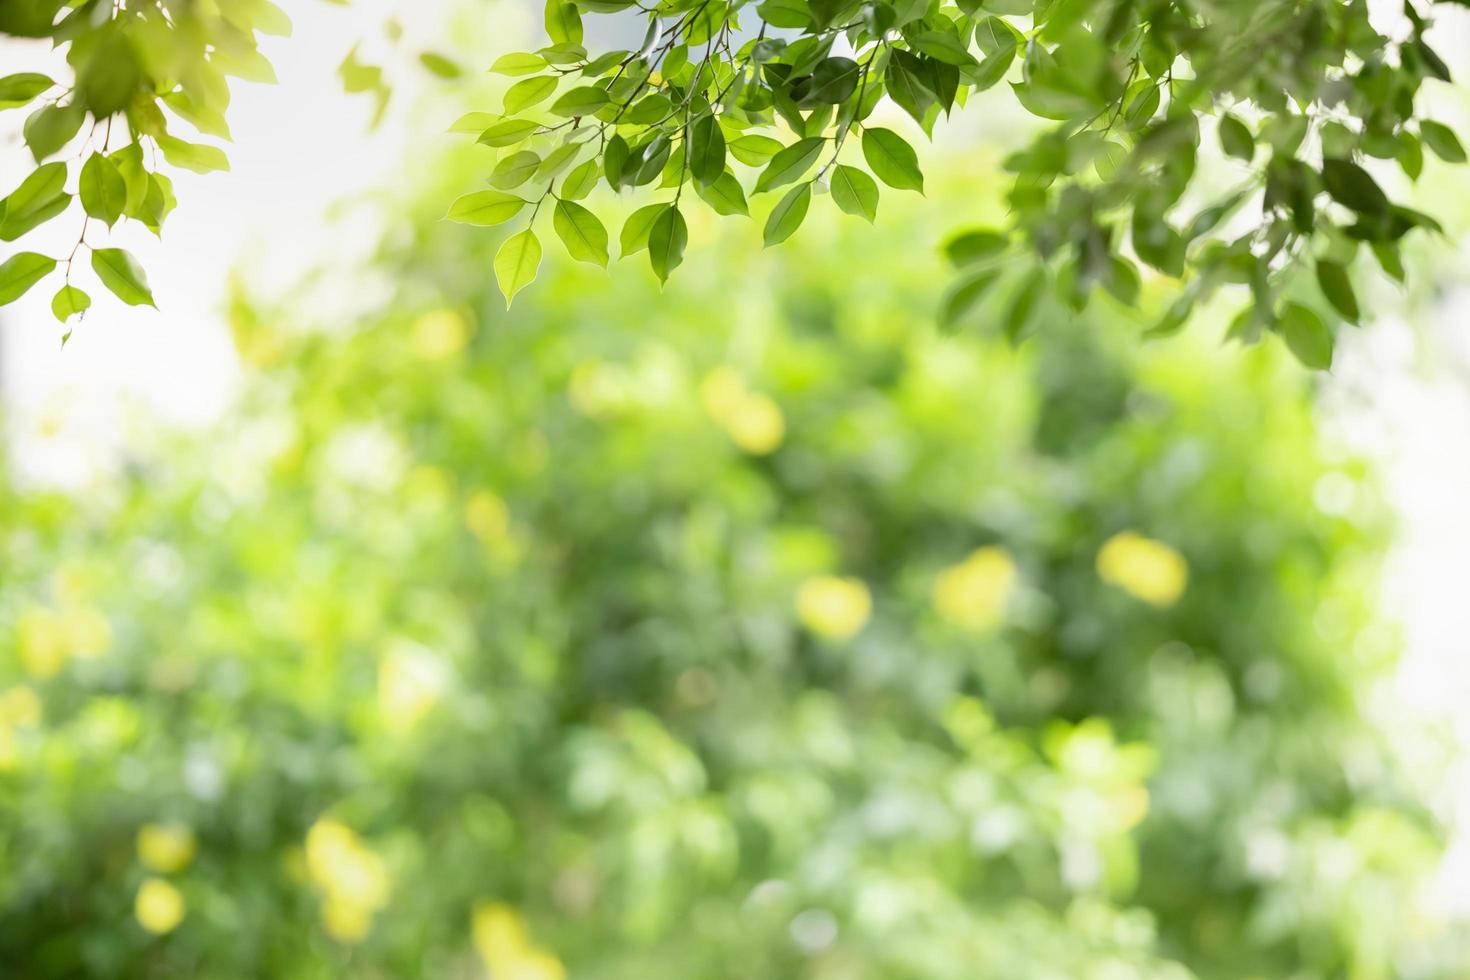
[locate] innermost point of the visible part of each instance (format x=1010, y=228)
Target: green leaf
x=1307, y=336
x=102, y=189
x=39, y=198
x=706, y=150
x=725, y=195
x=1351, y=185
x=509, y=132
x=754, y=150
x=667, y=239
x=122, y=275
x=50, y=128
x=788, y=214
x=973, y=246
x=966, y=295
x=581, y=180
x=790, y=164
x=516, y=263
x=518, y=63
x=1023, y=306
x=634, y=237
x=528, y=91
x=581, y=232
x=68, y=302
x=1442, y=140
x=514, y=170
x=944, y=46
x=1236, y=139
x=581, y=101
x=20, y=272
x=440, y=65
x=1332, y=277
x=199, y=158
x=892, y=159
x=19, y=89
x=563, y=22
x=855, y=192
x=833, y=80
x=485, y=208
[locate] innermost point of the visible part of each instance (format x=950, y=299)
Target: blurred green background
x=751, y=628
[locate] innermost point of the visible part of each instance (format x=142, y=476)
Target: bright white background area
x=1400, y=392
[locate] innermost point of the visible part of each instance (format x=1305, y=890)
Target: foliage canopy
x=1299, y=95
x=802, y=644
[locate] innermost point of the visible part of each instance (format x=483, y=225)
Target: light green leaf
x=39, y=198
x=788, y=214
x=855, y=192
x=581, y=232
x=514, y=170
x=198, y=157
x=892, y=159
x=485, y=208
x=516, y=263
x=529, y=91
x=563, y=22
x=581, y=180
x=509, y=132
x=581, y=101
x=473, y=122
x=122, y=275
x=20, y=89
x=518, y=63
x=754, y=150
x=439, y=65
x=20, y=272
x=634, y=237
x=103, y=190
x=68, y=302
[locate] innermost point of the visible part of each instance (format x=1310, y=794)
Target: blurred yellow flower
x=753, y=421
x=722, y=391
x=834, y=607
x=1147, y=569
x=20, y=707
x=166, y=847
x=500, y=937
x=41, y=637
x=757, y=426
x=973, y=594
x=486, y=515
x=352, y=879
x=439, y=334
x=597, y=389
x=159, y=906
x=410, y=683
x=48, y=637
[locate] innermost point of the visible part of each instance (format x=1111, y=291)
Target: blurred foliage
x=752, y=629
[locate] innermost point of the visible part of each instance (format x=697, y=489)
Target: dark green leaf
x=1332, y=277
x=790, y=164
x=1307, y=336
x=667, y=238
